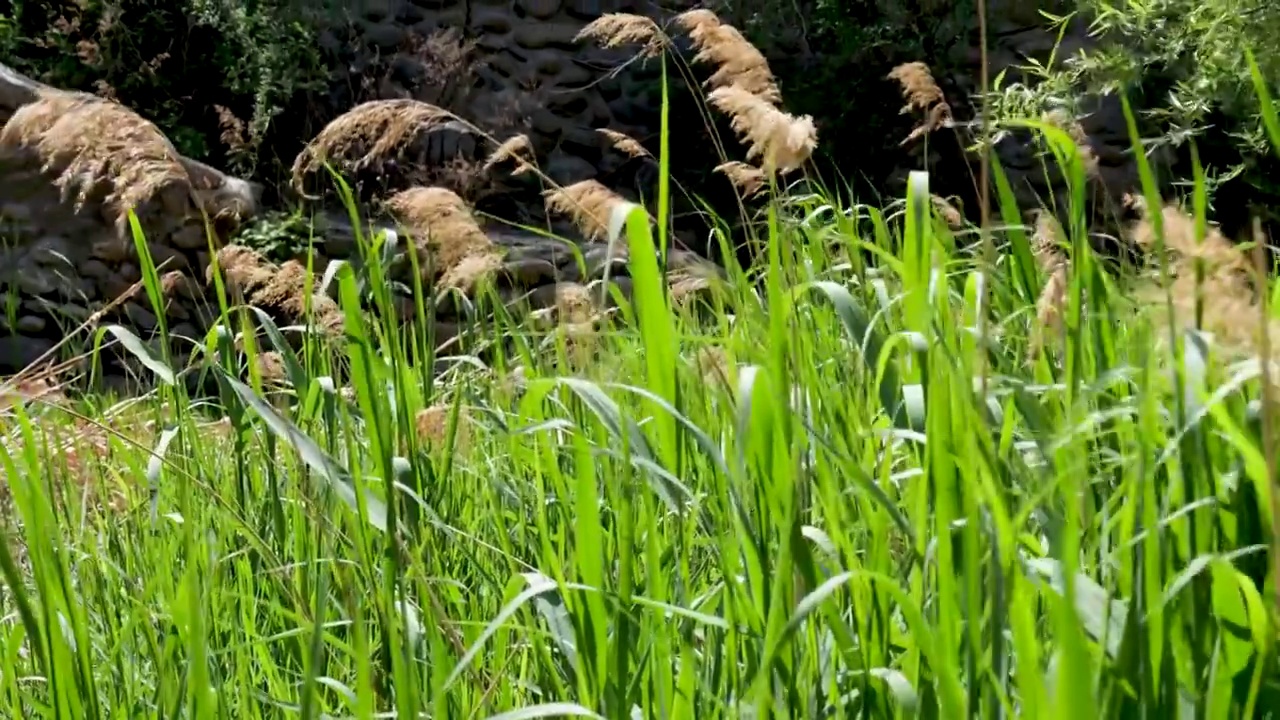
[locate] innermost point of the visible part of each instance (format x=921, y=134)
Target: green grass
x=879, y=509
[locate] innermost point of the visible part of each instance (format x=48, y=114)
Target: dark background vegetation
x=237, y=83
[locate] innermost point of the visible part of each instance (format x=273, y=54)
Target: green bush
x=212, y=74
x=1182, y=64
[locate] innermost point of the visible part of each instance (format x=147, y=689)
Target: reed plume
x=624, y=143
x=922, y=94
x=781, y=141
x=588, y=203
x=613, y=30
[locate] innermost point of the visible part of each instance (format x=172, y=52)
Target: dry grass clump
x=613, y=30
x=457, y=250
x=923, y=95
x=369, y=134
x=738, y=63
x=589, y=203
x=101, y=150
x=782, y=142
x=252, y=279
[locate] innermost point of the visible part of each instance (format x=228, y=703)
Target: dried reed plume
x=253, y=280
x=271, y=367
x=574, y=304
x=738, y=62
x=367, y=135
x=715, y=366
x=698, y=20
x=590, y=204
x=685, y=287
x=432, y=425
x=1063, y=121
x=613, y=30
x=923, y=95
x=624, y=143
x=517, y=148
x=949, y=213
x=1052, y=303
x=782, y=142
x=441, y=223
x=100, y=149
x=748, y=179
x=1212, y=287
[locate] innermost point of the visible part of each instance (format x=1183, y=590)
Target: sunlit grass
x=844, y=492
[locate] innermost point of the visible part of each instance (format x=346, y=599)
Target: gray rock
x=30, y=325
x=19, y=351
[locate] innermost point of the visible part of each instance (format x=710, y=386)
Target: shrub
x=1182, y=65
x=213, y=75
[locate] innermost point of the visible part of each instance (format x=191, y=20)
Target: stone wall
x=525, y=74
x=68, y=256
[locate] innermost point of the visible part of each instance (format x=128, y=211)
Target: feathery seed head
x=589, y=203
x=612, y=30
x=781, y=141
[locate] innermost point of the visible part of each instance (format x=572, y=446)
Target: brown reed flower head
x=271, y=367
x=748, y=179
x=612, y=30
x=369, y=135
x=574, y=304
x=738, y=62
x=922, y=94
x=715, y=366
x=1063, y=120
x=1046, y=243
x=517, y=148
x=471, y=271
x=624, y=143
x=1052, y=302
x=432, y=426
x=697, y=20
x=442, y=224
x=1214, y=255
x=589, y=203
x=949, y=213
x=782, y=142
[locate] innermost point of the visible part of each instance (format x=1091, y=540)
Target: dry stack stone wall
x=66, y=254
x=527, y=73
